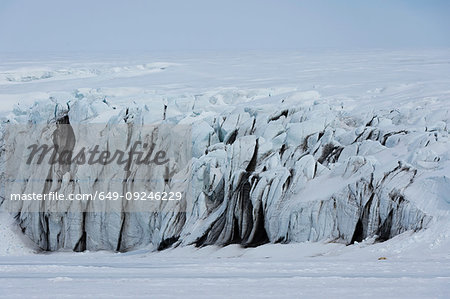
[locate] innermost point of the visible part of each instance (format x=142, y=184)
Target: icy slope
x=13, y=242
x=269, y=165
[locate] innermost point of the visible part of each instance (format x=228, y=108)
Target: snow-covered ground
x=416, y=266
x=377, y=91
x=364, y=79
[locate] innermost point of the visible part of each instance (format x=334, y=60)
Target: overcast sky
x=180, y=25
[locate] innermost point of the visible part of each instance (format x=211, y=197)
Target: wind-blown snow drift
x=285, y=168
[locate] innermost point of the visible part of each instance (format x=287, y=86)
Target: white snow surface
x=346, y=97
x=415, y=266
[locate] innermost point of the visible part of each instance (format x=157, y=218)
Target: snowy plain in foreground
x=417, y=264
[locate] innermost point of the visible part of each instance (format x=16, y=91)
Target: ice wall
x=290, y=168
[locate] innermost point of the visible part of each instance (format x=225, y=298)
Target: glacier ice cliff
x=288, y=168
